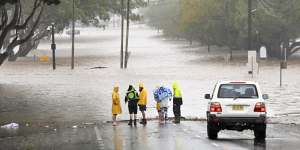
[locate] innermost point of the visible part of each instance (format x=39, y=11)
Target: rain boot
x=166, y=117
x=145, y=122
x=130, y=122
x=177, y=119
x=134, y=122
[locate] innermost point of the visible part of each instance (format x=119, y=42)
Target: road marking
x=98, y=135
x=215, y=144
x=100, y=142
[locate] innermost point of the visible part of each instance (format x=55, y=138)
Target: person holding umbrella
x=162, y=95
x=132, y=98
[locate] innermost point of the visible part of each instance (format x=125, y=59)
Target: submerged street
x=190, y=135
x=69, y=109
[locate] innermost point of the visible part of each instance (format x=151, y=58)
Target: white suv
x=236, y=106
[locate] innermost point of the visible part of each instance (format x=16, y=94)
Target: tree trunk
x=208, y=47
x=274, y=50
x=3, y=57
x=191, y=42
x=27, y=47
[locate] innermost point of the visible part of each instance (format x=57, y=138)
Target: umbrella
x=161, y=93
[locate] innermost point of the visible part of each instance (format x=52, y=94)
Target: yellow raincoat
x=176, y=90
x=143, y=95
x=157, y=106
x=116, y=105
x=157, y=103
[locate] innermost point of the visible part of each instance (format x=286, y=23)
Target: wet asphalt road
x=189, y=135
x=192, y=136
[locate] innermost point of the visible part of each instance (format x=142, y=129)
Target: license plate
x=237, y=107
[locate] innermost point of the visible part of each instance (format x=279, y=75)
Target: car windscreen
x=237, y=91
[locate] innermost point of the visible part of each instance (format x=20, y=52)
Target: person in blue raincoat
x=162, y=95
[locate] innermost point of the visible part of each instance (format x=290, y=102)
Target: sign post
x=252, y=62
x=53, y=47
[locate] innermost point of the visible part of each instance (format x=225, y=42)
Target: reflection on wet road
x=192, y=136
x=189, y=135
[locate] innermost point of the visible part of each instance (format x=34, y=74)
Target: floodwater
x=31, y=92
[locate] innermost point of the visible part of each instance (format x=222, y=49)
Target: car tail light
x=215, y=107
x=260, y=107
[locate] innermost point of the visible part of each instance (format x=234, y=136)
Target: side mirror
x=265, y=96
x=207, y=96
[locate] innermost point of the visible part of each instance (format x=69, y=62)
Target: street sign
x=263, y=52
x=252, y=64
x=283, y=65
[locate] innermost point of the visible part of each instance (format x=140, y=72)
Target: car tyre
x=212, y=131
x=260, y=131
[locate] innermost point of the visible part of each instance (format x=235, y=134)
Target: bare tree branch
x=11, y=24
x=294, y=51
x=30, y=34
x=4, y=17
x=36, y=5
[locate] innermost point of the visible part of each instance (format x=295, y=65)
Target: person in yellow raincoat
x=158, y=105
x=116, y=105
x=143, y=98
x=159, y=111
x=177, y=102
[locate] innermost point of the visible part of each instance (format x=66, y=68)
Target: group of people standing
x=139, y=99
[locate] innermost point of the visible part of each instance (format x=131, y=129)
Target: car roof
x=237, y=82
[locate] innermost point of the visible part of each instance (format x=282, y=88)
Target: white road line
x=215, y=144
x=98, y=135
x=100, y=141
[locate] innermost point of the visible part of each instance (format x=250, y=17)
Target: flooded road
x=189, y=135
x=192, y=136
x=32, y=93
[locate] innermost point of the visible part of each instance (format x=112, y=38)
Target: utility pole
x=283, y=63
x=227, y=24
x=73, y=34
x=249, y=24
x=122, y=35
x=53, y=47
x=127, y=34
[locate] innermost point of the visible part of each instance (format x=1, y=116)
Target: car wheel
x=260, y=131
x=212, y=131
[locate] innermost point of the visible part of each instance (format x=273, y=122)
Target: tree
x=277, y=22
x=224, y=23
x=40, y=15
x=88, y=12
x=164, y=15
x=14, y=26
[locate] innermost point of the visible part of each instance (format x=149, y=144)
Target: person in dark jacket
x=177, y=102
x=132, y=98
